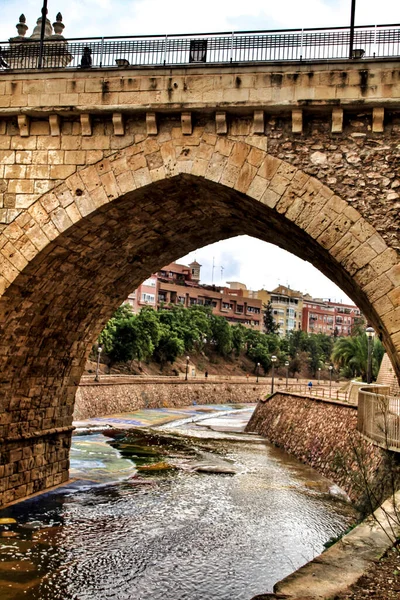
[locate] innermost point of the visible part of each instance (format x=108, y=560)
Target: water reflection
x=168, y=533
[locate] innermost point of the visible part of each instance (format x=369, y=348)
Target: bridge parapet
x=308, y=44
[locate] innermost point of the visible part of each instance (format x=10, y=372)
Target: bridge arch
x=76, y=253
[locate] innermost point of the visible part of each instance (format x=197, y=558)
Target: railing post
x=231, y=57
x=301, y=44
x=101, y=51
x=165, y=50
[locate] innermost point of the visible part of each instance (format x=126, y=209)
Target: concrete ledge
x=343, y=564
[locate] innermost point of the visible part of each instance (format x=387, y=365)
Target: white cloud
x=261, y=265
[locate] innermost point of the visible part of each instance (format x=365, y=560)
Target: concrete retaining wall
x=98, y=399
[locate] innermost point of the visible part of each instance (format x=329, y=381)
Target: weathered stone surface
x=323, y=434
x=101, y=189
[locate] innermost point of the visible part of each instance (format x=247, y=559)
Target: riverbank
x=380, y=582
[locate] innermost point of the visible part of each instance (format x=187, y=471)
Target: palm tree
x=351, y=355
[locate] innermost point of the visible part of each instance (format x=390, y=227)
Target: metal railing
x=379, y=41
x=379, y=418
x=316, y=391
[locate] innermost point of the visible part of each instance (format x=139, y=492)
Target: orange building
x=178, y=284
x=331, y=318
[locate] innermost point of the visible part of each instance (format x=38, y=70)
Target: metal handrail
x=309, y=44
x=315, y=391
x=379, y=418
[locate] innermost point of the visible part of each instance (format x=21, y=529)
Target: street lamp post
x=273, y=360
x=257, y=370
x=352, y=19
x=42, y=32
x=287, y=372
x=319, y=374
x=99, y=350
x=330, y=380
x=187, y=368
x=370, y=334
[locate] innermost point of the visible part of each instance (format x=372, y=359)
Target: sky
x=92, y=18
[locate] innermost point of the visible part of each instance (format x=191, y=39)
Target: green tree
x=314, y=359
x=260, y=354
x=270, y=325
x=238, y=338
x=350, y=354
x=169, y=347
x=298, y=342
x=107, y=336
x=221, y=335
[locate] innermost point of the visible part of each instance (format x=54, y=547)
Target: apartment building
x=177, y=284
x=331, y=318
x=287, y=305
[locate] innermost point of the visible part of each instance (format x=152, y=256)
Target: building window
x=151, y=282
x=148, y=298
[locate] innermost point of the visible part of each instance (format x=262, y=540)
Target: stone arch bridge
x=106, y=175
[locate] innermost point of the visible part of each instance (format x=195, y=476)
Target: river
x=185, y=513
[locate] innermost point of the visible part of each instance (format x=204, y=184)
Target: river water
x=183, y=514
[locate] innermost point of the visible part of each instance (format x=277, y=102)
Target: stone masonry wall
x=323, y=435
x=97, y=399
x=29, y=465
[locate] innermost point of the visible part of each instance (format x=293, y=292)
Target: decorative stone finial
x=58, y=26
x=48, y=30
x=22, y=26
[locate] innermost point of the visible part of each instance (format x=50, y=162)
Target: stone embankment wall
x=96, y=399
x=323, y=434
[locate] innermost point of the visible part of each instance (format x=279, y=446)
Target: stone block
x=61, y=171
x=269, y=167
x=258, y=122
x=378, y=116
x=337, y=120
x=246, y=176
x=216, y=167
x=221, y=125
x=151, y=123
x=39, y=128
x=55, y=125
x=24, y=125
x=239, y=154
x=279, y=184
x=257, y=187
x=297, y=120
x=270, y=198
x=186, y=123
x=118, y=124
x=223, y=146
x=86, y=124
x=394, y=274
